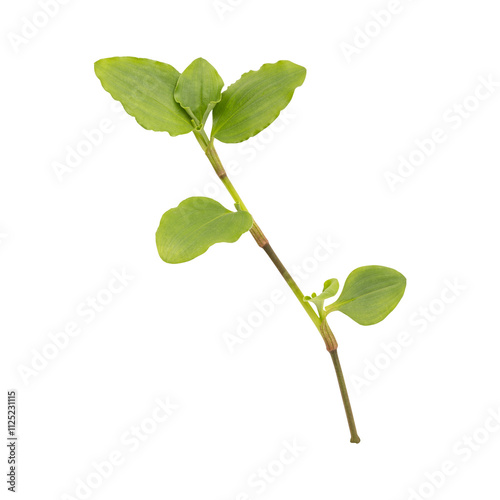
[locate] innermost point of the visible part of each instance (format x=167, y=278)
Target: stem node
x=328, y=336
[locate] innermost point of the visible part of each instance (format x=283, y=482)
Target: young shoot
x=164, y=100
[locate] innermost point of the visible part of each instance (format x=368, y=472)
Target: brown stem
x=345, y=397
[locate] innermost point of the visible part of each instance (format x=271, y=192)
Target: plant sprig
x=164, y=100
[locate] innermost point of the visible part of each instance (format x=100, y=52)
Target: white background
x=322, y=176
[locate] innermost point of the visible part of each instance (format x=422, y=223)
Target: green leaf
x=330, y=289
x=195, y=225
x=146, y=90
x=198, y=89
x=253, y=102
x=370, y=293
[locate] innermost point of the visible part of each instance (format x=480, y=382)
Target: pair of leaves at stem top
x=164, y=100
x=370, y=293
